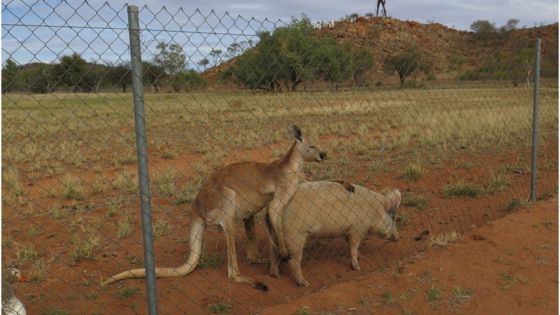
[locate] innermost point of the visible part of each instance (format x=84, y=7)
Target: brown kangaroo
x=238, y=192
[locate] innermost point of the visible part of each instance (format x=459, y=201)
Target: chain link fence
x=441, y=115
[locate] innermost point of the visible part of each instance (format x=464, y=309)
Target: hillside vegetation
x=353, y=52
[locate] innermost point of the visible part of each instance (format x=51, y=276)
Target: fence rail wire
x=445, y=121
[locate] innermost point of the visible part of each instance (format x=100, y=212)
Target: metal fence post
x=141, y=147
x=535, y=133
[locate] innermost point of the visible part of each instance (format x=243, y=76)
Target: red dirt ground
x=511, y=264
x=74, y=286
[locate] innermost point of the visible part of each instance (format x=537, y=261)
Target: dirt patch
x=73, y=286
x=509, y=266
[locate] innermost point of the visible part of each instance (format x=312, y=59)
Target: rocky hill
x=444, y=45
x=451, y=52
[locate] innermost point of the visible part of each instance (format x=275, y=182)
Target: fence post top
x=132, y=9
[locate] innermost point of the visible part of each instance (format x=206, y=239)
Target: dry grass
x=462, y=188
x=439, y=120
x=443, y=239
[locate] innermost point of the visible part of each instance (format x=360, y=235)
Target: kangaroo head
x=308, y=150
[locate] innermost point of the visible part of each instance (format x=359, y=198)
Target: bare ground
x=509, y=266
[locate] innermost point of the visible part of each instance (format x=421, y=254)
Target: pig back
x=326, y=208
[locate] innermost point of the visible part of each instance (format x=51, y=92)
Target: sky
x=42, y=31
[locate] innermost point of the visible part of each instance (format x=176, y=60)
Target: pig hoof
x=303, y=283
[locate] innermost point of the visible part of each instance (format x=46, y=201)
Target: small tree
x=120, y=75
x=170, y=58
x=153, y=75
x=39, y=79
x=216, y=54
x=233, y=50
x=362, y=61
x=405, y=63
x=73, y=71
x=9, y=73
x=511, y=25
x=483, y=29
x=203, y=63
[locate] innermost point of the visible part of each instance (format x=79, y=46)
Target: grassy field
x=54, y=134
x=69, y=161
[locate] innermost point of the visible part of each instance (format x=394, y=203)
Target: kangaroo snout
x=322, y=156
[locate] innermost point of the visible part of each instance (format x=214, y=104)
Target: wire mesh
x=442, y=116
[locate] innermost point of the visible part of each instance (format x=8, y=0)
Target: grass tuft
x=127, y=292
x=461, y=188
x=210, y=261
x=515, y=204
x=387, y=298
x=434, y=294
x=219, y=308
x=414, y=200
x=443, y=239
x=412, y=173
x=72, y=188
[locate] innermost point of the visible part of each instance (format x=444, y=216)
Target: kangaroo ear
x=295, y=132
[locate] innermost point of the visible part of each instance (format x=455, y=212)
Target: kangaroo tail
x=197, y=227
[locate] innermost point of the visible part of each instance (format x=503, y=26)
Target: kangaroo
x=333, y=208
x=238, y=192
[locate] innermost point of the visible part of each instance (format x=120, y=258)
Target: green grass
x=498, y=182
x=412, y=173
x=413, y=200
x=127, y=292
x=210, y=261
x=219, y=308
x=387, y=298
x=461, y=188
x=26, y=254
x=433, y=294
x=508, y=279
x=515, y=204
x=72, y=188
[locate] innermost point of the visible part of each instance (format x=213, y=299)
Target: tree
x=405, y=63
x=203, y=63
x=153, y=74
x=233, y=50
x=73, y=71
x=120, y=75
x=40, y=79
x=362, y=61
x=9, y=73
x=292, y=55
x=215, y=54
x=511, y=25
x=188, y=80
x=483, y=29
x=170, y=58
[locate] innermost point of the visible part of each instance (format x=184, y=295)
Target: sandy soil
x=509, y=266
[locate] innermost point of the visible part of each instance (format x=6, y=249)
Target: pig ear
x=394, y=197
